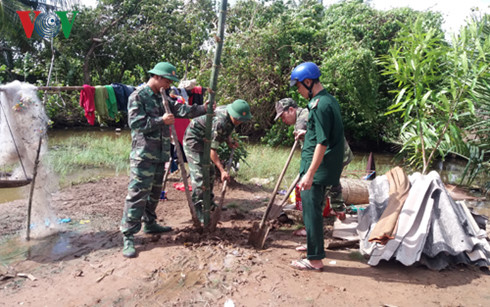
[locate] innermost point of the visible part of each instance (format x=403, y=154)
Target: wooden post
x=33, y=183
x=209, y=116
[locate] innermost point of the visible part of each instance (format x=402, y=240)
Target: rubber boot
x=128, y=250
x=155, y=228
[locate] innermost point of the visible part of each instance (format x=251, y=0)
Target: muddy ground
x=83, y=265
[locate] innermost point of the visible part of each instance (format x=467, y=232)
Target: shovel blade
x=258, y=235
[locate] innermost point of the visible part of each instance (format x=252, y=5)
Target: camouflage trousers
x=336, y=199
x=194, y=160
x=144, y=189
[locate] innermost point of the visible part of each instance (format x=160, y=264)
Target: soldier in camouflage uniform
x=150, y=150
x=291, y=114
x=225, y=120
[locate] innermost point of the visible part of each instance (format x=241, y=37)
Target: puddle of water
x=15, y=249
x=11, y=194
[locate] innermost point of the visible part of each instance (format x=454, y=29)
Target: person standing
x=150, y=150
x=291, y=114
x=224, y=122
x=321, y=158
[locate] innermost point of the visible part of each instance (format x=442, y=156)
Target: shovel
x=217, y=211
x=260, y=231
x=276, y=210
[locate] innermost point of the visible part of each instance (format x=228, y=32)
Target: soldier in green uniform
x=150, y=150
x=291, y=114
x=322, y=157
x=225, y=120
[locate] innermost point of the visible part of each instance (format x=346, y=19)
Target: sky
x=455, y=12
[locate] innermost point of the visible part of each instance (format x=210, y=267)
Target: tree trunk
x=96, y=42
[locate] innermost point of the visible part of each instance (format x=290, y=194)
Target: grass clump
x=265, y=162
x=80, y=152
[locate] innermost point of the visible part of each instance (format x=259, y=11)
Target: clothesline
x=59, y=88
x=54, y=88
x=107, y=100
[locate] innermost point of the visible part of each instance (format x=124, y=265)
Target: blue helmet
x=306, y=70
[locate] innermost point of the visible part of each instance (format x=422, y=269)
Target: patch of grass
x=265, y=162
x=357, y=167
x=81, y=152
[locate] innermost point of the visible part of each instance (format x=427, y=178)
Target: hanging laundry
x=87, y=102
x=197, y=95
x=111, y=101
x=186, y=93
x=122, y=94
x=101, y=96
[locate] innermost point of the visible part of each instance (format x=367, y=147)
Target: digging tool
x=259, y=232
x=180, y=156
x=217, y=211
x=276, y=210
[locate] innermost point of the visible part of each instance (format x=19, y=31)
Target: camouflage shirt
x=150, y=136
x=221, y=130
x=301, y=119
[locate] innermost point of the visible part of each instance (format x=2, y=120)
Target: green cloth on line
x=111, y=102
x=101, y=97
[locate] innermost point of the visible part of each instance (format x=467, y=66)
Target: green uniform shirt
x=221, y=130
x=301, y=124
x=150, y=136
x=324, y=127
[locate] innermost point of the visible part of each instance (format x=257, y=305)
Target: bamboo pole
x=180, y=156
x=33, y=183
x=209, y=116
x=60, y=88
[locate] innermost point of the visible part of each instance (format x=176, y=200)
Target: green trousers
x=144, y=189
x=313, y=203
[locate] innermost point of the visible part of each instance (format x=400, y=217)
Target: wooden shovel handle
x=278, y=183
x=180, y=156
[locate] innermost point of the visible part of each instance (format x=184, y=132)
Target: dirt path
x=83, y=265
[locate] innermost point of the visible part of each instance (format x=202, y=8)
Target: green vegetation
x=266, y=163
x=78, y=153
x=440, y=89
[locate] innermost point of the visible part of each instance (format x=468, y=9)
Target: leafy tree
x=438, y=84
x=474, y=41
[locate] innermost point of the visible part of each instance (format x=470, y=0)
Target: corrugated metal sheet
x=432, y=229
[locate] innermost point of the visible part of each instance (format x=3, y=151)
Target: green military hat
x=240, y=110
x=284, y=104
x=166, y=70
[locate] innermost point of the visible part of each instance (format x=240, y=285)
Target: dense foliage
x=370, y=61
x=441, y=88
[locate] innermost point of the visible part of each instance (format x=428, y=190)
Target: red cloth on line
x=87, y=102
x=180, y=186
